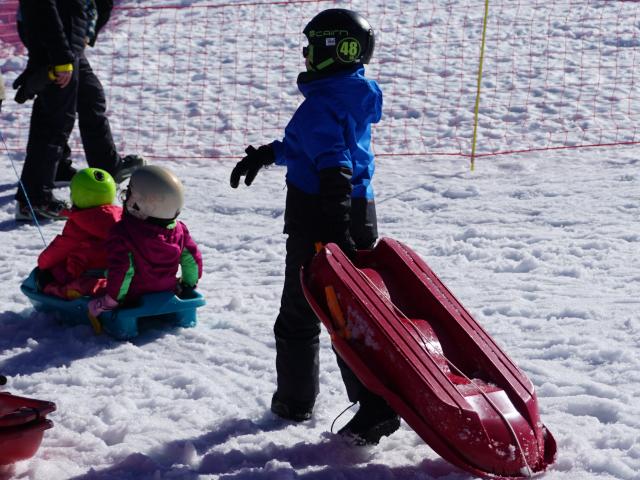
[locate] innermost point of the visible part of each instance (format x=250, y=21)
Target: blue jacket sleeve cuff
x=278, y=152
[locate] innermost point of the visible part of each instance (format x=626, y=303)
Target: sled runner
x=22, y=425
x=409, y=340
x=121, y=323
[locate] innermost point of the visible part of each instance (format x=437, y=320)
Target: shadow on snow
x=330, y=458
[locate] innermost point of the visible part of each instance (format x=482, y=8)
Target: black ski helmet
x=338, y=38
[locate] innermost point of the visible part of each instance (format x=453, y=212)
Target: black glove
x=31, y=82
x=249, y=165
x=342, y=238
x=185, y=291
x=347, y=245
x=335, y=203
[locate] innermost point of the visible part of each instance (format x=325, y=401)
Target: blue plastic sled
x=121, y=323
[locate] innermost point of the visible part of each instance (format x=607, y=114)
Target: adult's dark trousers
x=52, y=120
x=297, y=329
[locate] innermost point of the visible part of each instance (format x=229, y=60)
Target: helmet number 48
x=348, y=49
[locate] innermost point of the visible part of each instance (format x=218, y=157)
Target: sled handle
x=95, y=323
x=336, y=312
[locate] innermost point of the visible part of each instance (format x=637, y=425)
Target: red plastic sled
x=22, y=425
x=409, y=340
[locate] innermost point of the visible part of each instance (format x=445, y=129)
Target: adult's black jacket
x=55, y=30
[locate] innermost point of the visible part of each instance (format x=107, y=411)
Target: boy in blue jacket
x=330, y=165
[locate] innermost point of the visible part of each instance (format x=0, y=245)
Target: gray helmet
x=154, y=192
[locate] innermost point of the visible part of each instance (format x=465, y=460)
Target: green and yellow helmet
x=338, y=38
x=92, y=187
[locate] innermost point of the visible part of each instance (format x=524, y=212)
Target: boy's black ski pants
x=297, y=329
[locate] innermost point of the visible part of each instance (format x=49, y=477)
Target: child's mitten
x=101, y=304
x=249, y=166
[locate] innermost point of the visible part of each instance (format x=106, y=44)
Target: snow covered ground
x=542, y=249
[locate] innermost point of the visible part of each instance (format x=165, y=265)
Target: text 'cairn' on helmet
x=338, y=38
x=154, y=192
x=92, y=187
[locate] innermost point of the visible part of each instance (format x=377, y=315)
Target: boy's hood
x=359, y=95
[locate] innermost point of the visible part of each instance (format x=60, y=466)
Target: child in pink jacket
x=145, y=249
x=74, y=263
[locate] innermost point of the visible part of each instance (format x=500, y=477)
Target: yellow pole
x=477, y=107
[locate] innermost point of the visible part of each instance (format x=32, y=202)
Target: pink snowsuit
x=144, y=257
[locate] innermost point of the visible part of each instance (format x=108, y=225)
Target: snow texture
x=541, y=248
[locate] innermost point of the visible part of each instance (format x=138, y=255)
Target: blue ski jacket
x=332, y=129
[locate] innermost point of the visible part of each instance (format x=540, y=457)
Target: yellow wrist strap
x=67, y=67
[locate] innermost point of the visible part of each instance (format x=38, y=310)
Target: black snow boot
x=127, y=166
x=373, y=420
x=64, y=173
x=48, y=209
x=298, y=412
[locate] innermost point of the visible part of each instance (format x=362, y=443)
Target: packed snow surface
x=542, y=249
